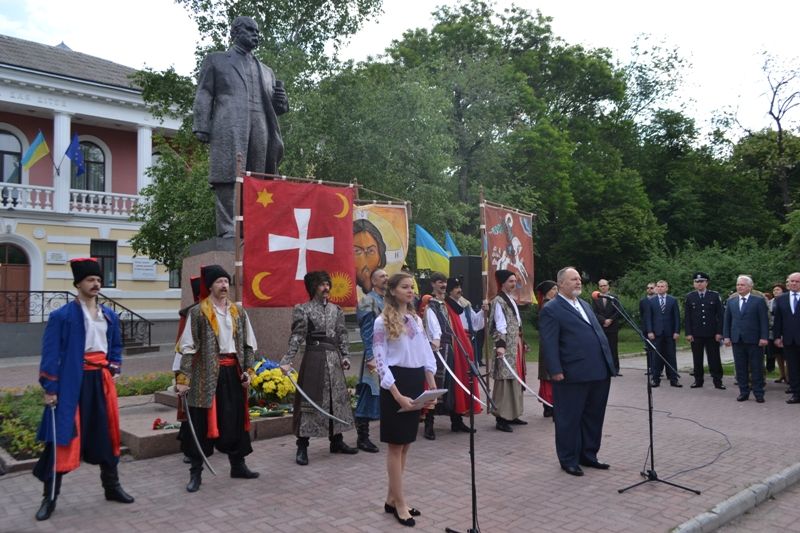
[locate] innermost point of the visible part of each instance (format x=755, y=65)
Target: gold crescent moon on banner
x=256, y=286
x=345, y=206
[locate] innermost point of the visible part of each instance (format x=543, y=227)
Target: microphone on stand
x=596, y=296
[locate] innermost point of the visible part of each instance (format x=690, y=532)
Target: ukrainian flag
x=37, y=150
x=450, y=244
x=430, y=253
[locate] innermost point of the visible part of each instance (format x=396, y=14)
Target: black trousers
x=613, y=342
x=233, y=439
x=791, y=354
x=665, y=345
x=711, y=347
x=579, y=411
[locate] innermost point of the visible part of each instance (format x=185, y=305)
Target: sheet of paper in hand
x=420, y=401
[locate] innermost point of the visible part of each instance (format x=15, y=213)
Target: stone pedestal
x=271, y=325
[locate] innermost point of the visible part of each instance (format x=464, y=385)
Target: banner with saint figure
x=380, y=240
x=291, y=229
x=508, y=245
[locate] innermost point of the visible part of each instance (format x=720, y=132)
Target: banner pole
x=487, y=341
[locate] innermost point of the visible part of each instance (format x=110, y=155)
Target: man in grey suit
x=236, y=110
x=746, y=327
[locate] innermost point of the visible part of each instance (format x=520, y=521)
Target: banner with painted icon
x=380, y=241
x=508, y=245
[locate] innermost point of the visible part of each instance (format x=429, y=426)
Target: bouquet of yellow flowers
x=269, y=387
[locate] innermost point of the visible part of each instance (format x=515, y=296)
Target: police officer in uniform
x=703, y=314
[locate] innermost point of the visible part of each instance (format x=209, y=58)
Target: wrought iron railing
x=31, y=306
x=36, y=306
x=135, y=327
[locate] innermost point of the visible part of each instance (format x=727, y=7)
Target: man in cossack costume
x=446, y=334
x=505, y=327
x=81, y=357
x=217, y=348
x=319, y=325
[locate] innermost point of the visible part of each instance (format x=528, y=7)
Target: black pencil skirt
x=401, y=428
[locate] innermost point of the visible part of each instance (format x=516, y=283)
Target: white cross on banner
x=302, y=243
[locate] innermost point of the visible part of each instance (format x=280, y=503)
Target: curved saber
x=55, y=444
x=513, y=373
x=312, y=402
x=194, y=434
x=452, y=375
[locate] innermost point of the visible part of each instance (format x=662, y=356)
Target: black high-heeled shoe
x=408, y=522
x=391, y=509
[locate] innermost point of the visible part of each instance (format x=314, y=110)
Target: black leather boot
x=428, y=432
x=195, y=475
x=363, y=442
x=48, y=505
x=338, y=445
x=457, y=424
x=110, y=479
x=301, y=457
x=239, y=468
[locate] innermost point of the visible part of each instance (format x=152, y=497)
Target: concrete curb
x=742, y=502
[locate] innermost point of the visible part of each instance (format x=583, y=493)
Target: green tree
x=177, y=208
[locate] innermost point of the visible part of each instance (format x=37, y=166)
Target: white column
x=61, y=179
x=144, y=156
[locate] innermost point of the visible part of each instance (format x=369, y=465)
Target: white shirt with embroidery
x=410, y=350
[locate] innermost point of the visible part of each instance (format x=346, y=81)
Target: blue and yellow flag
x=430, y=253
x=37, y=150
x=450, y=244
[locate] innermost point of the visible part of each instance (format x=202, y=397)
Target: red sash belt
x=213, y=428
x=68, y=456
x=522, y=368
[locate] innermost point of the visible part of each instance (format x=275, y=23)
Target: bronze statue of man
x=236, y=109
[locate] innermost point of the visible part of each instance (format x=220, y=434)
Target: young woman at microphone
x=405, y=363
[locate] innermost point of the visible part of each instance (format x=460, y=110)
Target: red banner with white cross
x=291, y=229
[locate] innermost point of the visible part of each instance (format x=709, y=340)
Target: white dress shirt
x=410, y=350
x=577, y=305
x=225, y=336
x=96, y=329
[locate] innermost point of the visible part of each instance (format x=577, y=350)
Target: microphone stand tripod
x=651, y=474
x=474, y=374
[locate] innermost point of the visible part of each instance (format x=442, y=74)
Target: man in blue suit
x=662, y=322
x=746, y=326
x=578, y=358
x=786, y=330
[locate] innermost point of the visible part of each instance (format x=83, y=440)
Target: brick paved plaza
x=520, y=486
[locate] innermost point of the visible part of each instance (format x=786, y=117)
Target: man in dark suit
x=786, y=330
x=703, y=326
x=608, y=316
x=578, y=359
x=236, y=110
x=746, y=327
x=663, y=325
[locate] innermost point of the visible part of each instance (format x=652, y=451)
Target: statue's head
x=244, y=32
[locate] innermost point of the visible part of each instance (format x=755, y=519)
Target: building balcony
x=33, y=198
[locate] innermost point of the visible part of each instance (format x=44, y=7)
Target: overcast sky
x=723, y=40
